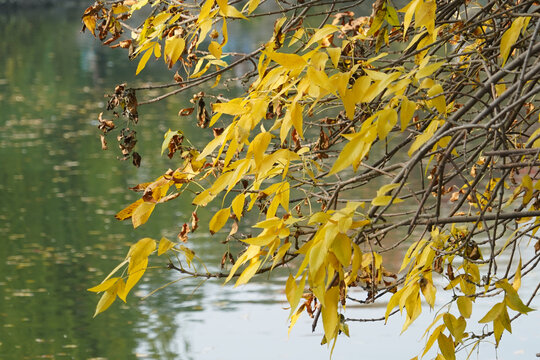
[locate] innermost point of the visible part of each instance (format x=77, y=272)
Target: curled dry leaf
x=296, y=139
x=136, y=159
x=182, y=236
x=178, y=78
x=140, y=187
x=174, y=145
x=186, y=111
x=105, y=125
x=103, y=142
x=324, y=141
x=130, y=105
x=194, y=221
x=203, y=118
x=234, y=228
x=217, y=131
x=124, y=44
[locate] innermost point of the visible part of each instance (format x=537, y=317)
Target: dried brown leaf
x=186, y=111
x=182, y=236
x=194, y=221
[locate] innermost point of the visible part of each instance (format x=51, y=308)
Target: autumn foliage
x=435, y=104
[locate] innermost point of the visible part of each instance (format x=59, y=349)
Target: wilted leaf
x=103, y=142
x=182, y=236
x=194, y=221
x=136, y=159
x=186, y=111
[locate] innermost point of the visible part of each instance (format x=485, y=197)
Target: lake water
x=59, y=192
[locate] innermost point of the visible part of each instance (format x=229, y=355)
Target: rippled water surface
x=59, y=192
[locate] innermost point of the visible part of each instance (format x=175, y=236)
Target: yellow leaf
x=428, y=70
x=135, y=273
x=258, y=147
x=142, y=213
x=510, y=37
x=219, y=220
x=317, y=256
x=205, y=11
x=517, y=278
x=295, y=317
x=512, y=298
x=296, y=118
x=161, y=18
x=288, y=61
x=321, y=34
x=215, y=49
x=386, y=188
x=127, y=212
x=238, y=205
x=164, y=246
x=330, y=314
x=284, y=192
x=341, y=247
x=141, y=250
x=348, y=155
x=261, y=240
x=90, y=22
x=281, y=253
x=349, y=103
x=464, y=304
x=439, y=101
x=249, y=272
x=174, y=47
x=429, y=291
x=432, y=338
x=144, y=60
x=229, y=10
x=424, y=137
x=493, y=313
x=386, y=121
x=384, y=200
x=335, y=54
x=447, y=347
x=109, y=296
x=425, y=16
x=268, y=223
x=252, y=5
x=105, y=285
x=409, y=11
x=297, y=36
x=233, y=107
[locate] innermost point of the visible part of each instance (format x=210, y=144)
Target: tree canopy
x=434, y=103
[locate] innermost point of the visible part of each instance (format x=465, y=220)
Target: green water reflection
x=55, y=184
